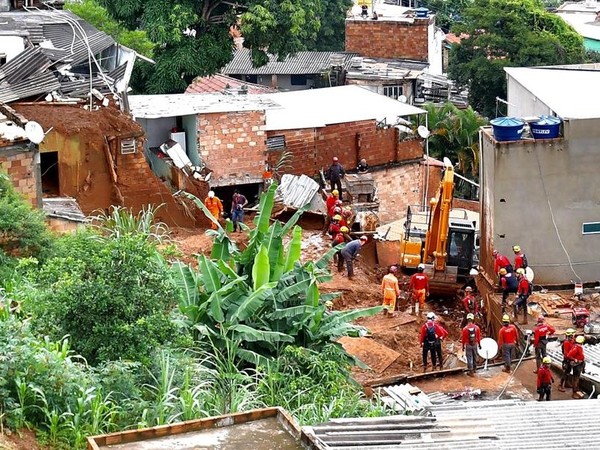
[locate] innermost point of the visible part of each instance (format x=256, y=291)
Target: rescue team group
x=433, y=333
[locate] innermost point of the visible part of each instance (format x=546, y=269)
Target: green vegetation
x=194, y=38
x=162, y=341
x=502, y=33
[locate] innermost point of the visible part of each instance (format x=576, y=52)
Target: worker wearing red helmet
x=334, y=173
x=390, y=291
x=419, y=285
x=507, y=338
x=577, y=360
x=540, y=340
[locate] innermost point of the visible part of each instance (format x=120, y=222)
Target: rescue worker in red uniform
x=471, y=341
x=507, y=338
x=430, y=332
x=501, y=262
x=524, y=289
x=470, y=305
x=540, y=340
x=520, y=258
x=340, y=238
x=329, y=205
x=508, y=283
x=335, y=226
x=544, y=379
x=566, y=347
x=577, y=360
x=439, y=340
x=419, y=285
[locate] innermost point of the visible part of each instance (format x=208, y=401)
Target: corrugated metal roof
x=302, y=63
x=63, y=208
x=296, y=191
x=220, y=83
x=592, y=360
x=481, y=425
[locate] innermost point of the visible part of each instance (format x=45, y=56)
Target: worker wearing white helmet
x=419, y=286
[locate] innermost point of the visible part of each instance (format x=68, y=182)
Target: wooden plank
x=377, y=356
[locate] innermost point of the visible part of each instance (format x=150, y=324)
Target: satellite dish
x=488, y=349
x=447, y=162
x=34, y=132
x=402, y=98
x=529, y=274
x=423, y=132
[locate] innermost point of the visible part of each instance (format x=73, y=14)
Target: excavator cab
x=461, y=246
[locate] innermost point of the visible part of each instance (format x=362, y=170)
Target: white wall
x=11, y=46
x=522, y=103
x=435, y=37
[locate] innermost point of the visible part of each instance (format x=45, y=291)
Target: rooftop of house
x=12, y=125
x=544, y=83
x=387, y=10
x=320, y=107
x=223, y=84
x=302, y=63
x=384, y=69
x=583, y=16
x=44, y=49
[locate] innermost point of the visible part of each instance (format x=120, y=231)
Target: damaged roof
x=302, y=63
x=219, y=83
x=384, y=69
x=53, y=55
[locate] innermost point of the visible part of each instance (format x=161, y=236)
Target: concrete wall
x=234, y=146
x=435, y=38
x=190, y=126
x=19, y=164
x=389, y=38
x=377, y=86
x=531, y=187
x=522, y=102
x=157, y=130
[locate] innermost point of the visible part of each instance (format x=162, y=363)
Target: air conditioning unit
x=127, y=146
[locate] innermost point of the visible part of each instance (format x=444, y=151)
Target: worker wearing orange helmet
x=508, y=283
x=390, y=290
x=215, y=206
x=419, y=285
x=334, y=173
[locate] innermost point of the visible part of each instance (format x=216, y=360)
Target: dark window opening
x=49, y=170
x=590, y=228
x=298, y=80
x=2, y=59
x=251, y=78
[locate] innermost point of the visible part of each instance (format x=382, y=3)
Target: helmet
x=393, y=269
x=335, y=159
x=503, y=271
x=430, y=316
x=468, y=289
x=540, y=319
x=580, y=339
x=337, y=210
x=470, y=316
x=569, y=332
x=421, y=267
x=335, y=193
x=337, y=217
x=516, y=248
x=346, y=212
x=546, y=360
x=339, y=203
x=521, y=271
x=505, y=318
x=495, y=252
x=329, y=304
x=363, y=238
x=211, y=194
x=344, y=229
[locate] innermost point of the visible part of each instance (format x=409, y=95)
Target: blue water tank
x=507, y=128
x=547, y=127
x=422, y=13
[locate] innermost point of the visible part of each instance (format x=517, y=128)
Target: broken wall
x=233, y=145
x=19, y=164
x=397, y=188
x=392, y=39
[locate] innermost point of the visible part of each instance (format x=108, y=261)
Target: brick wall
x=234, y=146
x=397, y=188
x=313, y=149
x=19, y=166
x=388, y=39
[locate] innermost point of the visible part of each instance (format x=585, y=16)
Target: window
x=251, y=78
x=276, y=142
x=298, y=80
x=127, y=146
x=590, y=228
x=392, y=91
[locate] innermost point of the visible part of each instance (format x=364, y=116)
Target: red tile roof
x=219, y=83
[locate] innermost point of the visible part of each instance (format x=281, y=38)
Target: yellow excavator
x=446, y=247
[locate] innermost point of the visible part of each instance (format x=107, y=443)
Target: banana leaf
x=267, y=200
x=261, y=270
x=294, y=219
x=295, y=249
x=292, y=291
x=186, y=280
x=294, y=312
x=249, y=334
x=254, y=358
x=312, y=295
x=252, y=303
x=209, y=274
x=324, y=260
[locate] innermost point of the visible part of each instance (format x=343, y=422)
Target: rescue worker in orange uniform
x=540, y=340
x=544, y=379
x=419, y=285
x=507, y=338
x=390, y=291
x=215, y=206
x=566, y=347
x=577, y=360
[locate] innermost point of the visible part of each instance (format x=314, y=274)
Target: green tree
x=447, y=12
x=194, y=37
x=504, y=33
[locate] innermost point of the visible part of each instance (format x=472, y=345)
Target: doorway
x=250, y=191
x=50, y=177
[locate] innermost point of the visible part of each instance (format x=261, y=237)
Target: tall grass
x=119, y=221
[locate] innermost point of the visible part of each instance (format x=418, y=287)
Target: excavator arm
x=436, y=239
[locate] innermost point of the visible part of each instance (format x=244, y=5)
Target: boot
x=561, y=388
x=471, y=373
